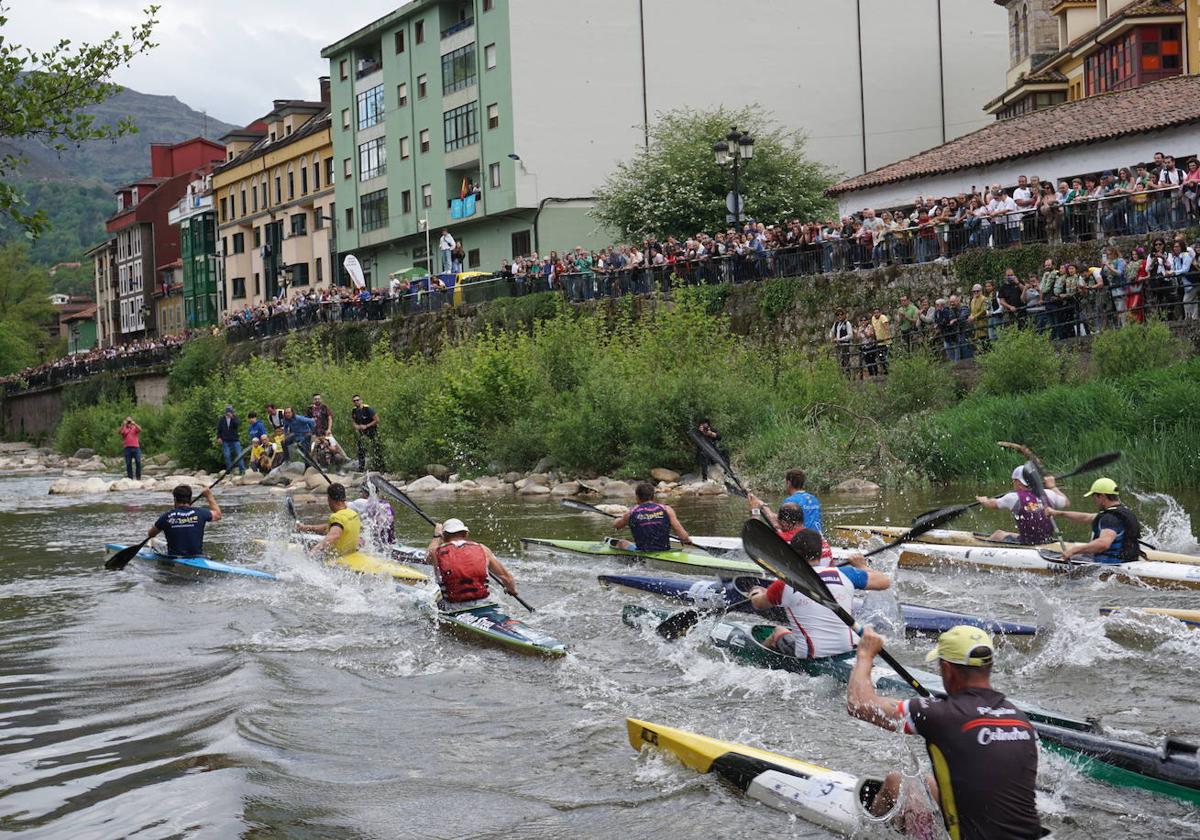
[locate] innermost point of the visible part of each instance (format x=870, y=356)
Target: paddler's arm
x=680, y=531
x=876, y=580
x=1049, y=483
x=435, y=543
x=333, y=535
x=862, y=700
x=496, y=567
x=323, y=528
x=1097, y=546
x=207, y=493
x=621, y=521
x=988, y=502
x=1072, y=515
x=755, y=502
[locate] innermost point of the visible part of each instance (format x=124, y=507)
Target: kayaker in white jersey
x=1034, y=525
x=814, y=632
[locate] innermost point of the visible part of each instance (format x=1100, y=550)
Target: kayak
x=863, y=533
x=828, y=798
x=398, y=552
x=673, y=561
x=719, y=596
x=367, y=564
x=1189, y=617
x=1149, y=572
x=489, y=622
x=191, y=568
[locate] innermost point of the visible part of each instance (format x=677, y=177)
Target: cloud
x=230, y=58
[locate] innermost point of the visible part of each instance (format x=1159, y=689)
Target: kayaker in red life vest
x=462, y=566
x=650, y=523
x=787, y=523
x=1034, y=525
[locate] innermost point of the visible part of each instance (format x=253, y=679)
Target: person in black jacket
x=227, y=437
x=702, y=460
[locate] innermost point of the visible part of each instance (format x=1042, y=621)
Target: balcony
x=458, y=27
x=366, y=66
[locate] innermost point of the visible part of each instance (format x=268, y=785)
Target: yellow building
x=1063, y=50
x=274, y=205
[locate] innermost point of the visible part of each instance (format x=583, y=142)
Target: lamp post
x=736, y=147
x=333, y=251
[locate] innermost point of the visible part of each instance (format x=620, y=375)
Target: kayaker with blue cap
x=461, y=566
x=183, y=525
x=1034, y=525
x=983, y=749
x=1115, y=529
x=650, y=523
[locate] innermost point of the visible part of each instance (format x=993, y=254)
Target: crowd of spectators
x=139, y=353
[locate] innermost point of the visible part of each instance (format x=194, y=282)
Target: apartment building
x=196, y=221
x=273, y=199
x=1065, y=50
x=498, y=119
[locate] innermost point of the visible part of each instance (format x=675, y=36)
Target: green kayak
x=671, y=561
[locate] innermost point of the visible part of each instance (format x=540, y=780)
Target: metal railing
x=73, y=368
x=458, y=27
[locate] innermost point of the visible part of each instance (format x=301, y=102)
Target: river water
x=325, y=706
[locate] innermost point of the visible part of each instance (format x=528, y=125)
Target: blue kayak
x=730, y=594
x=191, y=568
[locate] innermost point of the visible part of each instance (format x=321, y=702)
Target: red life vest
x=462, y=571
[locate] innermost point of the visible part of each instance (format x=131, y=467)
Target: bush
x=198, y=361
x=1134, y=348
x=916, y=381
x=95, y=427
x=1019, y=362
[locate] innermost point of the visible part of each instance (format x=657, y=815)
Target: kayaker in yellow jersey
x=343, y=528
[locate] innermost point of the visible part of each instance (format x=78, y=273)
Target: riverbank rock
x=857, y=487
x=492, y=484
x=161, y=459
x=545, y=465
x=701, y=488
x=439, y=471
x=92, y=464
x=292, y=467
x=566, y=488
x=122, y=485
x=314, y=481
x=84, y=454
x=251, y=478
x=75, y=487
x=425, y=484
x=617, y=490
x=664, y=475
x=275, y=478
x=512, y=477
x=534, y=490
x=615, y=510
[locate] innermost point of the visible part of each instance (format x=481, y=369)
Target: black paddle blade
x=121, y=559
x=771, y=553
x=713, y=454
x=400, y=496
x=290, y=507
x=574, y=504
x=923, y=524
x=1093, y=464
x=678, y=625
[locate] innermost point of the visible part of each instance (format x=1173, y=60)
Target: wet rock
x=545, y=465
x=513, y=477
x=292, y=467
x=534, y=490
x=76, y=487
x=314, y=481
x=857, y=487
x=664, y=475
x=425, y=484
x=618, y=490
x=122, y=485
x=83, y=454
x=615, y=510
x=161, y=459
x=251, y=478
x=538, y=478
x=92, y=464
x=439, y=471
x=275, y=478
x=467, y=485
x=566, y=488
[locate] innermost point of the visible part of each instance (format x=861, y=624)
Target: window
x=489, y=57
x=424, y=138
x=239, y=287
x=493, y=116
x=243, y=200
x=372, y=159
x=473, y=258
x=345, y=118
x=299, y=224
x=224, y=208
x=278, y=190
x=257, y=284
x=348, y=168
x=373, y=210
x=266, y=193
x=406, y=201
x=370, y=107
x=329, y=172
x=316, y=167
x=494, y=174
x=349, y=218
x=401, y=94
x=318, y=218
x=404, y=148
x=458, y=69
x=342, y=69
x=291, y=184
x=399, y=42
x=426, y=195
x=319, y=273
x=254, y=197
x=460, y=127
x=258, y=237
x=419, y=32
x=239, y=243
x=487, y=5
x=520, y=244
x=287, y=131
x=299, y=274
x=422, y=86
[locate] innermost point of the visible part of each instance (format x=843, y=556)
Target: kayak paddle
x=573, y=504
x=678, y=624
x=921, y=525
x=713, y=454
x=780, y=559
x=399, y=495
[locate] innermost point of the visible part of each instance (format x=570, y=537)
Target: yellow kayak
x=369, y=564
x=1189, y=617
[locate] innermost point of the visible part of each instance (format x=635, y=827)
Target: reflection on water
x=324, y=705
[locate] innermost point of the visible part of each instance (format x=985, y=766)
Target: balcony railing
x=458, y=27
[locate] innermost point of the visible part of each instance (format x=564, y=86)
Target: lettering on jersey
x=988, y=710
x=182, y=517
x=987, y=735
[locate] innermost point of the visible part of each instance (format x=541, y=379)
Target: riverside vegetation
x=614, y=393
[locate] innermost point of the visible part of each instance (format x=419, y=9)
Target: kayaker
x=343, y=528
x=462, y=566
x=797, y=495
x=1034, y=525
x=1115, y=529
x=650, y=523
x=183, y=525
x=983, y=749
x=814, y=631
x=377, y=515
x=787, y=523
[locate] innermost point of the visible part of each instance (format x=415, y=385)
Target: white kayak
x=998, y=558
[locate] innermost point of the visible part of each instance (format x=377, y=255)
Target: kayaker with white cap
x=1034, y=525
x=983, y=749
x=462, y=566
x=1115, y=529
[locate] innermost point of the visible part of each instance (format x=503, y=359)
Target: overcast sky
x=227, y=57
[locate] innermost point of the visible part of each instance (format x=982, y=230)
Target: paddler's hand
x=437, y=530
x=753, y=500
x=511, y=590
x=858, y=561
x=983, y=500
x=870, y=644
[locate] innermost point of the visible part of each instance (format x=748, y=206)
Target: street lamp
x=736, y=147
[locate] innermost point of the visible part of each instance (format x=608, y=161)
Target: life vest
x=1034, y=525
x=1129, y=549
x=462, y=571
x=650, y=526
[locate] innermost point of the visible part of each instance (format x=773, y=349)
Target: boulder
x=538, y=478
x=664, y=475
x=454, y=478
x=512, y=477
x=92, y=464
x=95, y=485
x=468, y=485
x=545, y=465
x=251, y=478
x=615, y=510
x=306, y=499
x=567, y=488
x=857, y=487
x=534, y=490
x=161, y=459
x=439, y=471
x=275, y=478
x=292, y=467
x=618, y=490
x=122, y=485
x=425, y=484
x=66, y=487
x=701, y=488
x=84, y=454
x=73, y=473
x=314, y=481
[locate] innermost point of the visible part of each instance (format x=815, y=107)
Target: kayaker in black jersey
x=983, y=749
x=1034, y=525
x=650, y=523
x=183, y=525
x=462, y=566
x=1115, y=529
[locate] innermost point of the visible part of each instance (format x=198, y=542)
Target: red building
x=144, y=239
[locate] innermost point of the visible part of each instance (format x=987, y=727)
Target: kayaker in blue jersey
x=1115, y=529
x=797, y=495
x=651, y=523
x=1034, y=525
x=183, y=525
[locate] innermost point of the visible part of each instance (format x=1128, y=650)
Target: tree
x=43, y=96
x=24, y=309
x=675, y=186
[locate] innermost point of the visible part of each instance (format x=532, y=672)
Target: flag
x=462, y=192
x=355, y=271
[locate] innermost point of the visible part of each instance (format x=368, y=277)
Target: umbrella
x=410, y=273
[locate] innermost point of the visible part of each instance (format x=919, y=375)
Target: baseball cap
x=1106, y=486
x=228, y=409
x=960, y=645
x=977, y=288
x=454, y=526
x=1019, y=474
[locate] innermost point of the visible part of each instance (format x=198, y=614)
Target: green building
x=197, y=225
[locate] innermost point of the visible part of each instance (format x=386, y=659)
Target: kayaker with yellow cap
x=983, y=749
x=1115, y=529
x=343, y=528
x=462, y=566
x=1034, y=525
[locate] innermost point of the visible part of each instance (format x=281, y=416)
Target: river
x=324, y=706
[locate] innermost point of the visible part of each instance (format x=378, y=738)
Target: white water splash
x=1173, y=528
